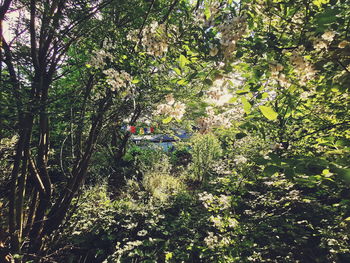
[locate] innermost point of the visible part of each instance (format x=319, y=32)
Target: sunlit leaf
x=167, y=120
x=183, y=61
x=268, y=112
x=246, y=105
x=178, y=71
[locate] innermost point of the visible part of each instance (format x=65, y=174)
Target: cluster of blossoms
x=117, y=79
x=173, y=109
x=212, y=120
x=211, y=240
x=276, y=73
x=240, y=159
x=231, y=31
x=213, y=202
x=216, y=241
x=302, y=67
x=306, y=94
x=220, y=96
x=99, y=57
x=325, y=40
x=154, y=39
x=204, y=18
x=275, y=69
x=224, y=119
x=221, y=222
x=221, y=168
x=129, y=246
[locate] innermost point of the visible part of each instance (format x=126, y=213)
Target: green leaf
x=135, y=81
x=319, y=3
x=183, y=61
x=182, y=82
x=168, y=255
x=207, y=12
x=268, y=112
x=343, y=142
x=246, y=105
x=177, y=71
x=289, y=172
x=240, y=135
x=208, y=82
x=167, y=120
x=242, y=92
x=329, y=16
x=271, y=170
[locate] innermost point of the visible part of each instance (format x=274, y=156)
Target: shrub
x=205, y=150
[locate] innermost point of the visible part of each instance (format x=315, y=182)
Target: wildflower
x=320, y=44
x=99, y=57
x=117, y=79
x=230, y=32
x=173, y=109
x=240, y=160
x=211, y=240
x=328, y=35
x=142, y=233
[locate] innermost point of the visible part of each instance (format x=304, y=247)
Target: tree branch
x=169, y=11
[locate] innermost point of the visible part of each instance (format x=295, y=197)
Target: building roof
x=182, y=135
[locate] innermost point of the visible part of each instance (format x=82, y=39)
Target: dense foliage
x=261, y=88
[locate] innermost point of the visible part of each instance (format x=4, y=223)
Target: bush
x=162, y=186
x=205, y=150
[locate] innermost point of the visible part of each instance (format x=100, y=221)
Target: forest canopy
x=258, y=89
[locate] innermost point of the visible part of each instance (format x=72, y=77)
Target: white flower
x=240, y=160
x=178, y=110
x=217, y=221
x=173, y=109
x=219, y=94
x=117, y=79
x=153, y=39
x=142, y=233
x=320, y=44
x=98, y=58
x=276, y=146
x=232, y=222
x=211, y=241
x=275, y=69
x=328, y=35
x=230, y=32
x=225, y=201
x=305, y=95
x=303, y=68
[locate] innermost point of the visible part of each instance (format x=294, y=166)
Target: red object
x=132, y=129
x=152, y=129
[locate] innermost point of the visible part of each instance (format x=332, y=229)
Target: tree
x=74, y=70
x=40, y=65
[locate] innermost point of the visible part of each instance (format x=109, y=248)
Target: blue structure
x=162, y=141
